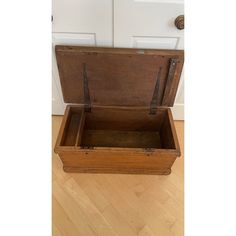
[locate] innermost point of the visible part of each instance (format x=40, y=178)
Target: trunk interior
x=116, y=127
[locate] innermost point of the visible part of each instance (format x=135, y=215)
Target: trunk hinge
x=170, y=77
x=87, y=101
x=154, y=102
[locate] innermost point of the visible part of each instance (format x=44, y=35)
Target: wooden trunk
x=121, y=122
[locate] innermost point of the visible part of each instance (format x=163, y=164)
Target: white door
x=78, y=22
x=150, y=24
x=119, y=23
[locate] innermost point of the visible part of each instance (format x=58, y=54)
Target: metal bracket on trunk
x=154, y=102
x=170, y=77
x=87, y=101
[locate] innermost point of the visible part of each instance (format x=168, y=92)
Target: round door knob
x=179, y=22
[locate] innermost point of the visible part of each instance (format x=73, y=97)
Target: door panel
x=79, y=16
x=154, y=42
x=78, y=22
x=150, y=24
x=145, y=19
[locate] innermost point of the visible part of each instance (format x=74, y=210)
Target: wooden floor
x=124, y=205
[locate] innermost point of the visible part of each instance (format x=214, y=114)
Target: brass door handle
x=179, y=22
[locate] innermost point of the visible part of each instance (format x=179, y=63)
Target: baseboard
x=57, y=108
x=178, y=111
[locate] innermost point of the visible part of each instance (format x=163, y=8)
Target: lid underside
x=119, y=77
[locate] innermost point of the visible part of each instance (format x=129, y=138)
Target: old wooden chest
x=119, y=120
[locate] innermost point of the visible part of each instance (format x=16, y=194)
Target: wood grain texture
x=119, y=205
x=118, y=76
x=129, y=142
x=91, y=136
x=117, y=138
